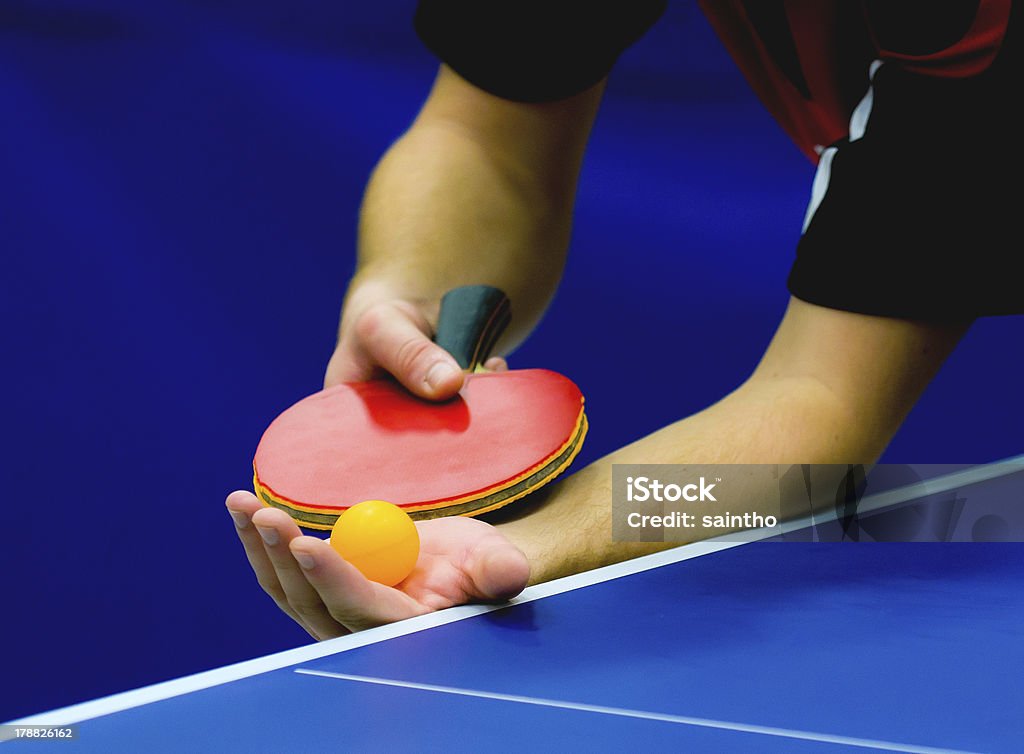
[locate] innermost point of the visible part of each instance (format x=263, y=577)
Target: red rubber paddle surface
x=375, y=440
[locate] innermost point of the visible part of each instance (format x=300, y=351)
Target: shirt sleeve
x=915, y=214
x=533, y=50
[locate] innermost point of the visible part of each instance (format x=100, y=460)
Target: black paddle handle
x=472, y=319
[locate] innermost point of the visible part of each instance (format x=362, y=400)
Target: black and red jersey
x=809, y=60
x=908, y=107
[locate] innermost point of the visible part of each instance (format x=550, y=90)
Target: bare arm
x=832, y=387
x=479, y=190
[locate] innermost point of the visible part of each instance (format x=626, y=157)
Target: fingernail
x=439, y=373
x=305, y=560
x=241, y=520
x=270, y=536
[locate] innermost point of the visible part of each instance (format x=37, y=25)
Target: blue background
x=179, y=183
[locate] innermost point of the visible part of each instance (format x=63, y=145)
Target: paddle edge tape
x=470, y=505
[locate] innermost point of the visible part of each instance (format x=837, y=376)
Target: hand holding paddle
x=502, y=436
x=382, y=334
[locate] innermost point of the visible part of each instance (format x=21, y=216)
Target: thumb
x=393, y=335
x=497, y=569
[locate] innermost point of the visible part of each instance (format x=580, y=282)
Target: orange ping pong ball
x=379, y=539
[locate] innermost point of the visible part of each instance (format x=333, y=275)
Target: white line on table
x=700, y=722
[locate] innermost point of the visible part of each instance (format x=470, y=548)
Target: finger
x=394, y=335
x=497, y=569
x=350, y=597
x=277, y=530
x=242, y=506
x=346, y=366
x=496, y=364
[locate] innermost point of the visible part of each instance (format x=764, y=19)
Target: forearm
x=832, y=388
x=766, y=421
x=479, y=190
x=440, y=212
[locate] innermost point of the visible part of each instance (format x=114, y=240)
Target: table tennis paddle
x=504, y=435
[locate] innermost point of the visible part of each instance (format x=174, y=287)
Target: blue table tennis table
x=717, y=646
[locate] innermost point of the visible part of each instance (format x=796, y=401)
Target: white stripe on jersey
x=858, y=125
